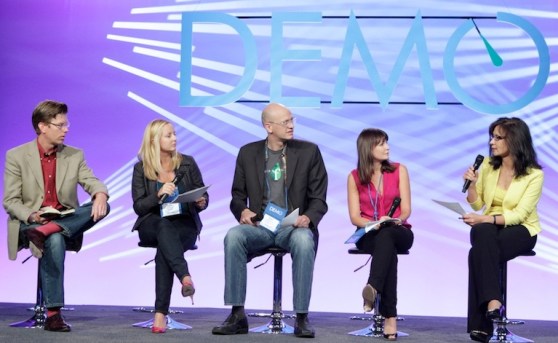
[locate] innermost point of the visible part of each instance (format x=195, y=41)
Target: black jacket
x=306, y=180
x=144, y=191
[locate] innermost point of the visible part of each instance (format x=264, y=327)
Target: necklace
x=374, y=203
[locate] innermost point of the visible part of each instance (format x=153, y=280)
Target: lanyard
x=374, y=203
x=284, y=162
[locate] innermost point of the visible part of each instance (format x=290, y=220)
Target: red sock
x=52, y=311
x=49, y=228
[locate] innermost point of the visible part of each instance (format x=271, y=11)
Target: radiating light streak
x=222, y=5
x=120, y=255
x=113, y=216
x=210, y=138
x=508, y=75
x=169, y=56
x=120, y=172
x=144, y=41
x=143, y=74
x=172, y=27
x=106, y=239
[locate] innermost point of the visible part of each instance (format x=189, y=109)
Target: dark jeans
x=51, y=265
x=491, y=245
x=172, y=236
x=384, y=244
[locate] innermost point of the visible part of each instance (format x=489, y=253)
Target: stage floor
x=93, y=323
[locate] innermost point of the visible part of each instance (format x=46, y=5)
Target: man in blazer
x=275, y=175
x=45, y=173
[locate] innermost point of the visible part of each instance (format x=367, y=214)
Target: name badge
x=273, y=215
x=168, y=208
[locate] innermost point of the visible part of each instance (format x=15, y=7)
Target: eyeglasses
x=284, y=123
x=496, y=137
x=61, y=126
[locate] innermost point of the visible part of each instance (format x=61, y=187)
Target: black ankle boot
x=302, y=327
x=480, y=336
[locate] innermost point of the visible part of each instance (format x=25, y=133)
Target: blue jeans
x=51, y=265
x=243, y=240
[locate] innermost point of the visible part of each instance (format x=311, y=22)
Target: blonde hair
x=150, y=150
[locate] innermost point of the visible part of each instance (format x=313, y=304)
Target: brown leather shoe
x=36, y=237
x=56, y=323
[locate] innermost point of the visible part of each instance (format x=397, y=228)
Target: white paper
x=376, y=225
x=192, y=195
x=290, y=219
x=454, y=206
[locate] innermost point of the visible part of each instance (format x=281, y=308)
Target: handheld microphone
x=176, y=180
x=394, y=206
x=476, y=165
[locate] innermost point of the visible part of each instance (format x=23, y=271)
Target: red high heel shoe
x=156, y=329
x=159, y=317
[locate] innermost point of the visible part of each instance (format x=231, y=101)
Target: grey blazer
x=24, y=186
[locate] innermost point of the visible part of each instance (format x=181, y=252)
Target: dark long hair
x=520, y=145
x=366, y=141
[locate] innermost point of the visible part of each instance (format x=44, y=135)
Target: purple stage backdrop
x=117, y=64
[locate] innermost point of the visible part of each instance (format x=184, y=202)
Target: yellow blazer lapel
x=490, y=186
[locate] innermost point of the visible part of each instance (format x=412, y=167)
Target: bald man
x=273, y=177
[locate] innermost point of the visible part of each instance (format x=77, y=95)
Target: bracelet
x=494, y=221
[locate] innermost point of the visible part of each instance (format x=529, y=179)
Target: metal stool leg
x=501, y=333
x=38, y=319
x=171, y=324
x=276, y=325
x=152, y=310
x=376, y=329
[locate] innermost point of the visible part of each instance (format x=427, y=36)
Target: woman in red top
x=371, y=190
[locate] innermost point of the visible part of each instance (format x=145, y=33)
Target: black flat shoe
x=495, y=314
x=390, y=336
x=480, y=336
x=233, y=325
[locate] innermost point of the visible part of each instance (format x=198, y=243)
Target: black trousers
x=172, y=236
x=491, y=245
x=383, y=245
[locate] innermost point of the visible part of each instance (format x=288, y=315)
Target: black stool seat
x=276, y=325
x=171, y=323
x=357, y=251
x=501, y=333
x=376, y=329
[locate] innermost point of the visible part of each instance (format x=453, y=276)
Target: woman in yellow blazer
x=507, y=187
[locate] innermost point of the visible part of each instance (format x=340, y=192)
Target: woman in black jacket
x=159, y=177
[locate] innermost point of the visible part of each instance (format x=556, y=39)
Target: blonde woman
x=163, y=173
